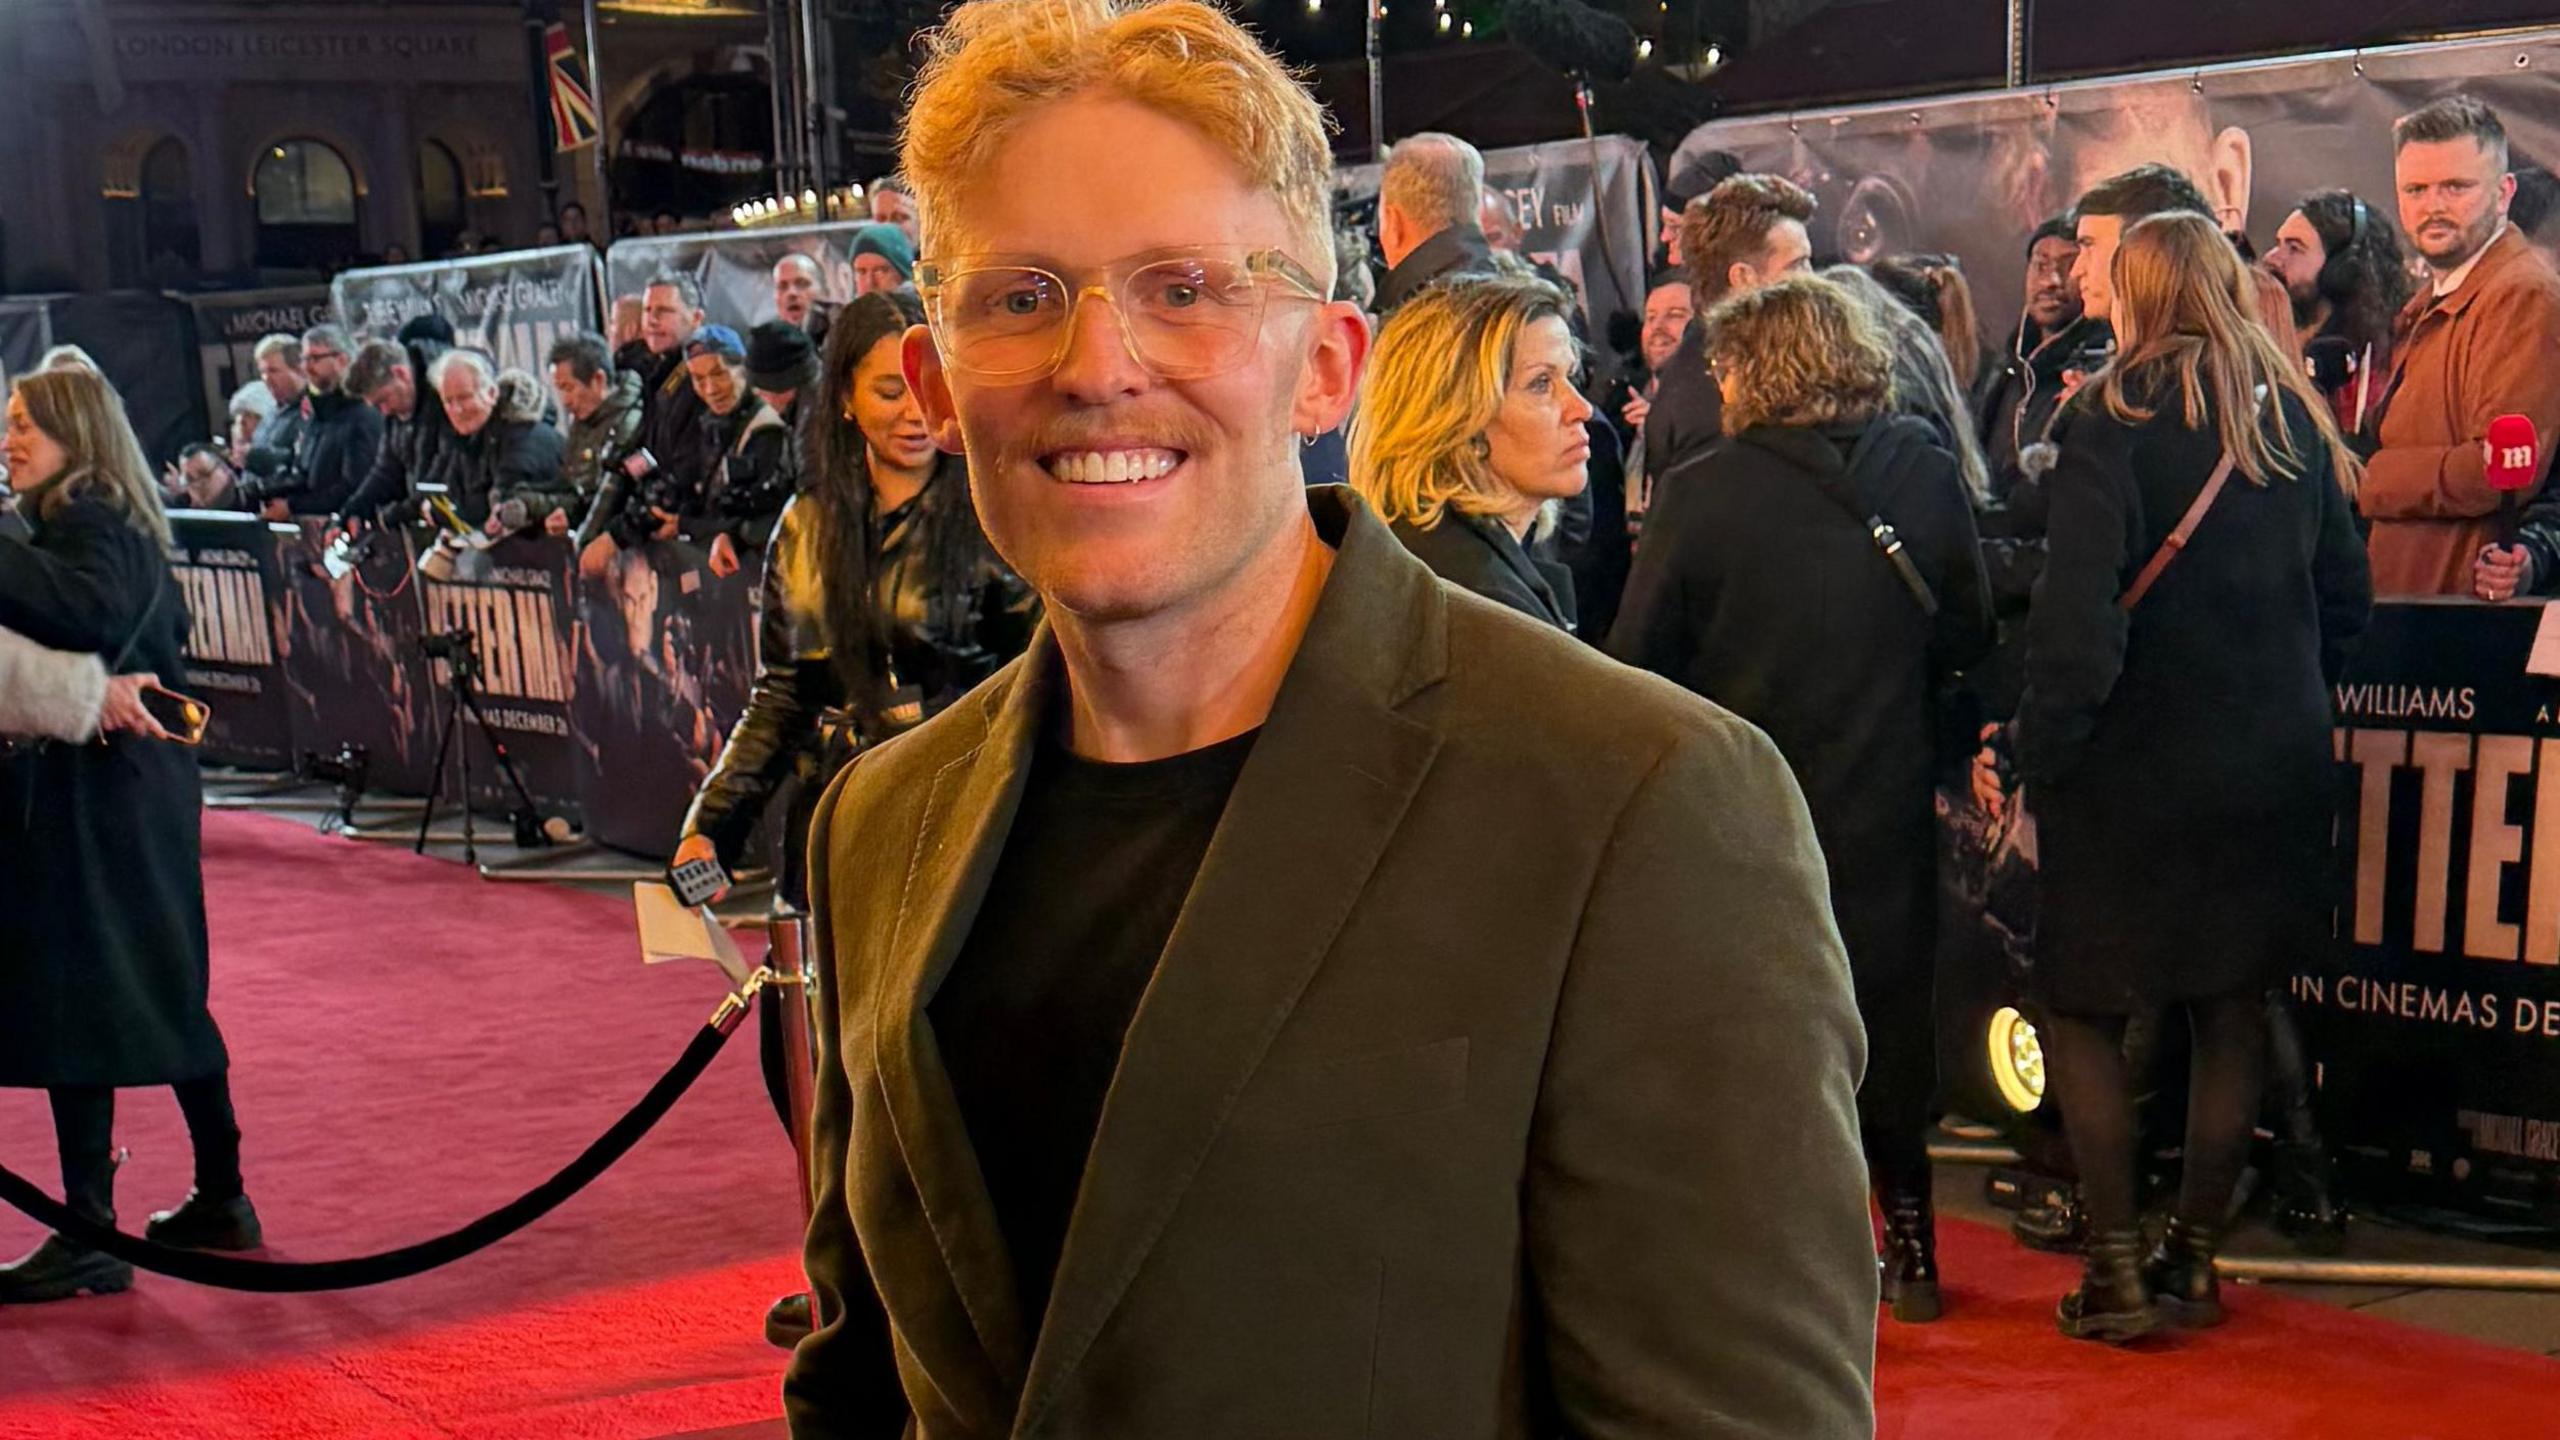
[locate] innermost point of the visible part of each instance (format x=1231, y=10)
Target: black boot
x=2111, y=1303
x=207, y=1224
x=2180, y=1274
x=2306, y=1208
x=786, y=1324
x=1910, y=1258
x=2054, y=1226
x=59, y=1268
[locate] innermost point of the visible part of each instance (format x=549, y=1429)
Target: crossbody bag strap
x=2177, y=540
x=1888, y=541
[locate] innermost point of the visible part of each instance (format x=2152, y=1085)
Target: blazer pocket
x=1303, y=1095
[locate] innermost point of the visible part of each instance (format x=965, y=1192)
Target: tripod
x=460, y=650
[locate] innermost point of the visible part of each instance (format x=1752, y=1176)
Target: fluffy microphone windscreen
x=1573, y=37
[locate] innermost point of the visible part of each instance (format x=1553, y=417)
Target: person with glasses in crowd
x=1470, y=435
x=1397, y=1142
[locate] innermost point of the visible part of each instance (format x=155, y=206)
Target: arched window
x=442, y=212
x=306, y=198
x=151, y=216
x=168, y=203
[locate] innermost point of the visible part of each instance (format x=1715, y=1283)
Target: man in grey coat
x=1297, y=999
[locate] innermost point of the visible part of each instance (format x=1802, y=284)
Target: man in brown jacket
x=1298, y=1000
x=2482, y=341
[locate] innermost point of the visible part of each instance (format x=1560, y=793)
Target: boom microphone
x=1573, y=37
x=2511, y=457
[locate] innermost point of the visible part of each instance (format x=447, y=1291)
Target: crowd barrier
x=2433, y=1016
x=612, y=696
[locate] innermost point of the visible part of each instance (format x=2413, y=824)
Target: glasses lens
x=1005, y=320
x=1193, y=316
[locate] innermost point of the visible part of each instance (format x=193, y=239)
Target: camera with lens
x=451, y=646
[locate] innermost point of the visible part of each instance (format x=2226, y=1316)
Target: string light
x=1715, y=54
x=1644, y=49
x=1466, y=29
x=1315, y=7
x=1444, y=22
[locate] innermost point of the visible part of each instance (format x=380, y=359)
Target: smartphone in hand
x=183, y=716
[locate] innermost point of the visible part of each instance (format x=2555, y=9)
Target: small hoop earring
x=1309, y=439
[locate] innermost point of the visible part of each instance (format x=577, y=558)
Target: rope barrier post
x=789, y=940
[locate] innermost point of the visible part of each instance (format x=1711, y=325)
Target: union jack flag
x=573, y=101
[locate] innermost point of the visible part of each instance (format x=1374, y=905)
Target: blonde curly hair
x=1800, y=352
x=995, y=61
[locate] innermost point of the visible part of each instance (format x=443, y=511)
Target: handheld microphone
x=2331, y=362
x=2511, y=457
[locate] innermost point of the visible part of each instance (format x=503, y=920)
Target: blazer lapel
x=1313, y=810
x=949, y=1286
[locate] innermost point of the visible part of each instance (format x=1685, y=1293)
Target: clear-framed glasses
x=1184, y=314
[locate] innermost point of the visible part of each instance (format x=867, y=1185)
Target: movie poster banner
x=225, y=566
x=1974, y=174
x=230, y=323
x=2437, y=1020
x=354, y=675
x=1581, y=206
x=512, y=305
x=665, y=656
x=512, y=612
x=735, y=268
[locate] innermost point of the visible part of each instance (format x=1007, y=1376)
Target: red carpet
x=413, y=1046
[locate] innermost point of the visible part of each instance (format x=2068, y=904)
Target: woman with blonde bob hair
x=102, y=934
x=2175, y=736
x=1469, y=428
x=1816, y=572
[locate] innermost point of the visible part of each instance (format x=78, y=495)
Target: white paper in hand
x=669, y=931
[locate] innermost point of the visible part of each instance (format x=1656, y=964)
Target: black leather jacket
x=798, y=721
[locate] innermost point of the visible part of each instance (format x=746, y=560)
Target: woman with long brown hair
x=2174, y=737
x=103, y=973
x=882, y=603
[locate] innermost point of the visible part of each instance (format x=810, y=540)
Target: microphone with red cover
x=2511, y=455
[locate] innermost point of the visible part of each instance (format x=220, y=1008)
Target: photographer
x=746, y=464
x=103, y=971
x=603, y=406
x=270, y=461
x=340, y=438
x=503, y=470
x=392, y=378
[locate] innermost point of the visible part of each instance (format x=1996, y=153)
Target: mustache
x=1087, y=432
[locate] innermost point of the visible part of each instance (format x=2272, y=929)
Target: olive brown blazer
x=1496, y=1080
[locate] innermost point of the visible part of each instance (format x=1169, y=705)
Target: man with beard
x=391, y=376
x=341, y=435
x=2018, y=397
x=2476, y=344
x=2340, y=261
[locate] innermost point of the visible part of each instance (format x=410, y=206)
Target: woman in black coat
x=102, y=934
x=1469, y=428
x=882, y=602
x=1762, y=584
x=2176, y=750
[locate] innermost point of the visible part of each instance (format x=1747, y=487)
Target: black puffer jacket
x=931, y=648
x=410, y=443
x=514, y=457
x=340, y=441
x=744, y=468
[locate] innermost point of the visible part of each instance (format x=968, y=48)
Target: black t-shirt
x=1031, y=1018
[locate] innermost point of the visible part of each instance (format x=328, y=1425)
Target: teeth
x=1112, y=467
